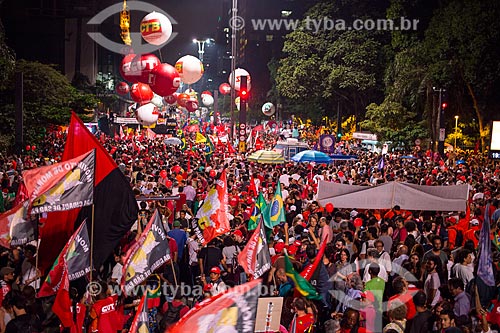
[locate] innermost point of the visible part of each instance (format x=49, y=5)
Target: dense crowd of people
x=388, y=270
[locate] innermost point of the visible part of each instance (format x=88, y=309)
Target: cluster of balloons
x=154, y=83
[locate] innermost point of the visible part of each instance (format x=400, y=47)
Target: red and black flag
x=140, y=324
x=73, y=261
x=231, y=311
x=61, y=186
x=255, y=258
x=146, y=255
x=17, y=227
x=115, y=207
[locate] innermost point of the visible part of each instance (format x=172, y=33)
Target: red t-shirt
x=407, y=299
x=302, y=323
x=5, y=288
x=108, y=317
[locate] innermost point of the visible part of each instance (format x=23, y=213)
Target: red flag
x=255, y=258
x=140, y=322
x=308, y=272
x=122, y=135
x=231, y=311
x=16, y=217
x=42, y=179
x=212, y=216
x=230, y=148
x=115, y=208
x=252, y=188
x=70, y=252
x=62, y=303
x=21, y=196
x=150, y=134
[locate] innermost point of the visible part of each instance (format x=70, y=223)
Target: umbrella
x=173, y=141
x=311, y=156
x=266, y=157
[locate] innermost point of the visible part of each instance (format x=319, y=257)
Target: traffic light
x=444, y=105
x=339, y=135
x=244, y=94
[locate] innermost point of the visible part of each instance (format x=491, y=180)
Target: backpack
x=170, y=317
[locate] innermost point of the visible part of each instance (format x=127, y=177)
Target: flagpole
x=173, y=270
x=92, y=224
x=91, y=243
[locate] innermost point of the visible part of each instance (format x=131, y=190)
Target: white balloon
x=147, y=114
x=207, y=100
x=156, y=28
x=190, y=69
x=157, y=101
x=268, y=109
x=239, y=73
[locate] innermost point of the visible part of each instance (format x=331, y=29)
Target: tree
x=333, y=66
x=463, y=50
x=48, y=100
x=393, y=122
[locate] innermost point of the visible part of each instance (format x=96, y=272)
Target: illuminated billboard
x=495, y=140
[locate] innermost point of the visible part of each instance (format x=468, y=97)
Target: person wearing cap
x=218, y=286
x=368, y=311
x=473, y=232
x=6, y=282
x=180, y=237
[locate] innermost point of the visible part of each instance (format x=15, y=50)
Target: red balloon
x=136, y=68
x=163, y=174
x=192, y=105
x=28, y=148
x=164, y=79
x=212, y=173
x=225, y=88
x=329, y=207
x=170, y=99
x=341, y=174
x=33, y=148
x=168, y=183
x=176, y=169
x=358, y=222
x=122, y=88
x=182, y=99
x=141, y=93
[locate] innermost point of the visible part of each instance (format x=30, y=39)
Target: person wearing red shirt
x=400, y=286
x=302, y=321
x=7, y=279
x=350, y=322
x=104, y=312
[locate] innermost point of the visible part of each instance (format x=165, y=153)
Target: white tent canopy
x=388, y=195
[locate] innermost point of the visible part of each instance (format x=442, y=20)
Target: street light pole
x=234, y=31
x=442, y=132
x=201, y=47
x=456, y=130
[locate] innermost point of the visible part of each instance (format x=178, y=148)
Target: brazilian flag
x=209, y=149
x=260, y=205
x=303, y=286
x=274, y=213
